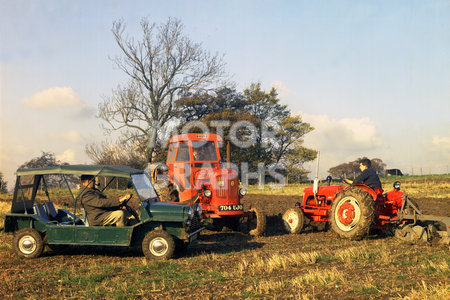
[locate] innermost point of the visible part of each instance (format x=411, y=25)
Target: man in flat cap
x=101, y=210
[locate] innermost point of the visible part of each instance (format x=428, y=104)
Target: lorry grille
x=227, y=188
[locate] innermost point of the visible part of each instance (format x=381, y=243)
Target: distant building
x=393, y=172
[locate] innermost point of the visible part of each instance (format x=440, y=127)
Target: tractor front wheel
x=28, y=243
x=352, y=213
x=158, y=244
x=293, y=220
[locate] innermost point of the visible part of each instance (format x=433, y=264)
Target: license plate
x=231, y=207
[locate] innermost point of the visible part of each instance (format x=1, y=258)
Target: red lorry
x=196, y=169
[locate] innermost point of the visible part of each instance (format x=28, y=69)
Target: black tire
x=158, y=245
x=293, y=220
x=352, y=213
x=28, y=243
x=257, y=224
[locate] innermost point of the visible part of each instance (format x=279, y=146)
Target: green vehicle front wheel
x=158, y=244
x=28, y=243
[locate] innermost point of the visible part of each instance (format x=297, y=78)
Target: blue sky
x=373, y=77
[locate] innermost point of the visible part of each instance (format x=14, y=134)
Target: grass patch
x=326, y=258
x=275, y=262
x=322, y=277
x=364, y=290
x=429, y=268
x=430, y=292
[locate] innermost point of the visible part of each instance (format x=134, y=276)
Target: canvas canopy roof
x=116, y=171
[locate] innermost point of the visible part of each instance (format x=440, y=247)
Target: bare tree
x=106, y=153
x=162, y=67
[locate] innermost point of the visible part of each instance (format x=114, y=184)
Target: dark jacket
x=97, y=205
x=368, y=177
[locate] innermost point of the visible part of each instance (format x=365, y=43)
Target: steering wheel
x=131, y=210
x=345, y=182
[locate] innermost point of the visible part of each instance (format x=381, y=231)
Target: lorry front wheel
x=158, y=244
x=257, y=224
x=28, y=243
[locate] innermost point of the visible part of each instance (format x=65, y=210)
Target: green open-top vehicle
x=159, y=228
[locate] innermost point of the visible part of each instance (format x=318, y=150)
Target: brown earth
x=390, y=268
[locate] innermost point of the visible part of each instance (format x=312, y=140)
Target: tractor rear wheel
x=257, y=224
x=352, y=213
x=293, y=220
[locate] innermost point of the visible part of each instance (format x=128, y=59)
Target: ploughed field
x=226, y=264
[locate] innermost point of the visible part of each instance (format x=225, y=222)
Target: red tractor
x=195, y=168
x=353, y=210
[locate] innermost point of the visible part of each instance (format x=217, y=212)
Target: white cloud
x=67, y=156
x=72, y=136
x=59, y=98
x=439, y=147
x=347, y=135
x=282, y=89
x=340, y=140
x=440, y=143
x=56, y=97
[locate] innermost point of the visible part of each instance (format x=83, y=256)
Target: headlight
x=190, y=213
x=207, y=193
x=242, y=191
x=198, y=210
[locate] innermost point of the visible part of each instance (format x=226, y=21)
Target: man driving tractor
x=368, y=176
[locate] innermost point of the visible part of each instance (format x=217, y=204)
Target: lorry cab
x=195, y=168
x=189, y=154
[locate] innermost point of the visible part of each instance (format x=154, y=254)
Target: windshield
x=144, y=186
x=204, y=151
